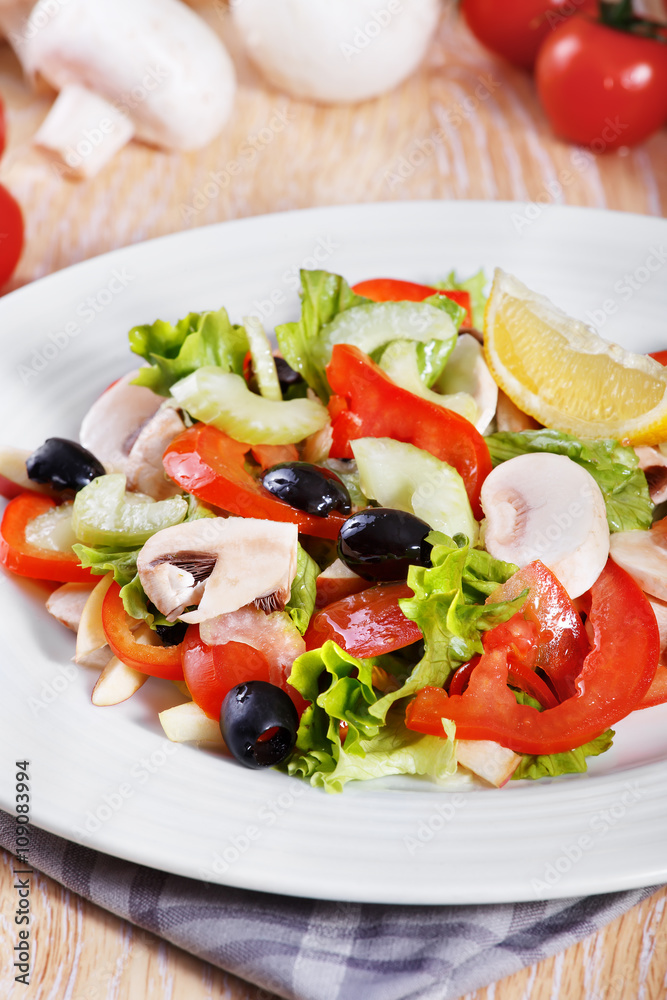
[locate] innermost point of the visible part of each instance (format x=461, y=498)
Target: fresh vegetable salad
x=402, y=545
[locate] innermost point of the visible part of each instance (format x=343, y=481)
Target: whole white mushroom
x=150, y=69
x=336, y=51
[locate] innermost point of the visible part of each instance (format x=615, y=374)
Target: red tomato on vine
x=516, y=29
x=602, y=86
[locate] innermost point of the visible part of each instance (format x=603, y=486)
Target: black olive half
x=307, y=487
x=172, y=635
x=64, y=465
x=259, y=723
x=286, y=375
x=381, y=543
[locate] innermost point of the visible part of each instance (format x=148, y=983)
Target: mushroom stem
x=83, y=131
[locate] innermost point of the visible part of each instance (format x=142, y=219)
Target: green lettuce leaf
x=614, y=467
x=475, y=286
x=199, y=340
x=323, y=296
x=448, y=608
x=572, y=762
x=370, y=750
x=304, y=590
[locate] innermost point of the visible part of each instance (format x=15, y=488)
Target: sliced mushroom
x=660, y=611
x=654, y=466
x=116, y=683
x=643, y=554
x=67, y=603
x=546, y=507
x=275, y=635
x=220, y=564
x=114, y=421
x=144, y=469
x=128, y=428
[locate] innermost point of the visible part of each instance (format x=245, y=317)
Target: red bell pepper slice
x=365, y=624
x=157, y=661
x=206, y=462
x=614, y=678
x=19, y=556
x=393, y=290
x=368, y=404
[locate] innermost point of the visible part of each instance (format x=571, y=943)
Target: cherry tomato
x=366, y=624
x=516, y=29
x=11, y=234
x=20, y=556
x=602, y=87
x=156, y=661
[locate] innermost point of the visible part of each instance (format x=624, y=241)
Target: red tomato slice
x=562, y=640
x=19, y=556
x=614, y=679
x=211, y=671
x=157, y=661
x=659, y=356
x=657, y=693
x=11, y=235
x=393, y=290
x=365, y=624
x=369, y=404
x=332, y=589
x=211, y=465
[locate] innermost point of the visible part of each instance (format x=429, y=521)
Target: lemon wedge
x=564, y=374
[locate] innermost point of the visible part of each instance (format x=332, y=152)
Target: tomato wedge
x=562, y=643
x=368, y=404
x=157, y=661
x=211, y=671
x=614, y=679
x=393, y=290
x=366, y=624
x=19, y=556
x=206, y=462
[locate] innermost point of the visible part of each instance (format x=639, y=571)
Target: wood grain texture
x=465, y=126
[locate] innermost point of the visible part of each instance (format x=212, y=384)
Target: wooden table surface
x=489, y=141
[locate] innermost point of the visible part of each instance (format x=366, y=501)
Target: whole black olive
x=307, y=487
x=381, y=543
x=172, y=635
x=259, y=723
x=64, y=465
x=286, y=375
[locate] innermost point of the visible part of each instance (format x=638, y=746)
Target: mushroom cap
x=336, y=51
x=157, y=61
x=546, y=507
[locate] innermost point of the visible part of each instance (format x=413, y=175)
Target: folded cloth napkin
x=305, y=949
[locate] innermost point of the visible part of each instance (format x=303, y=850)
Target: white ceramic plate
x=107, y=777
